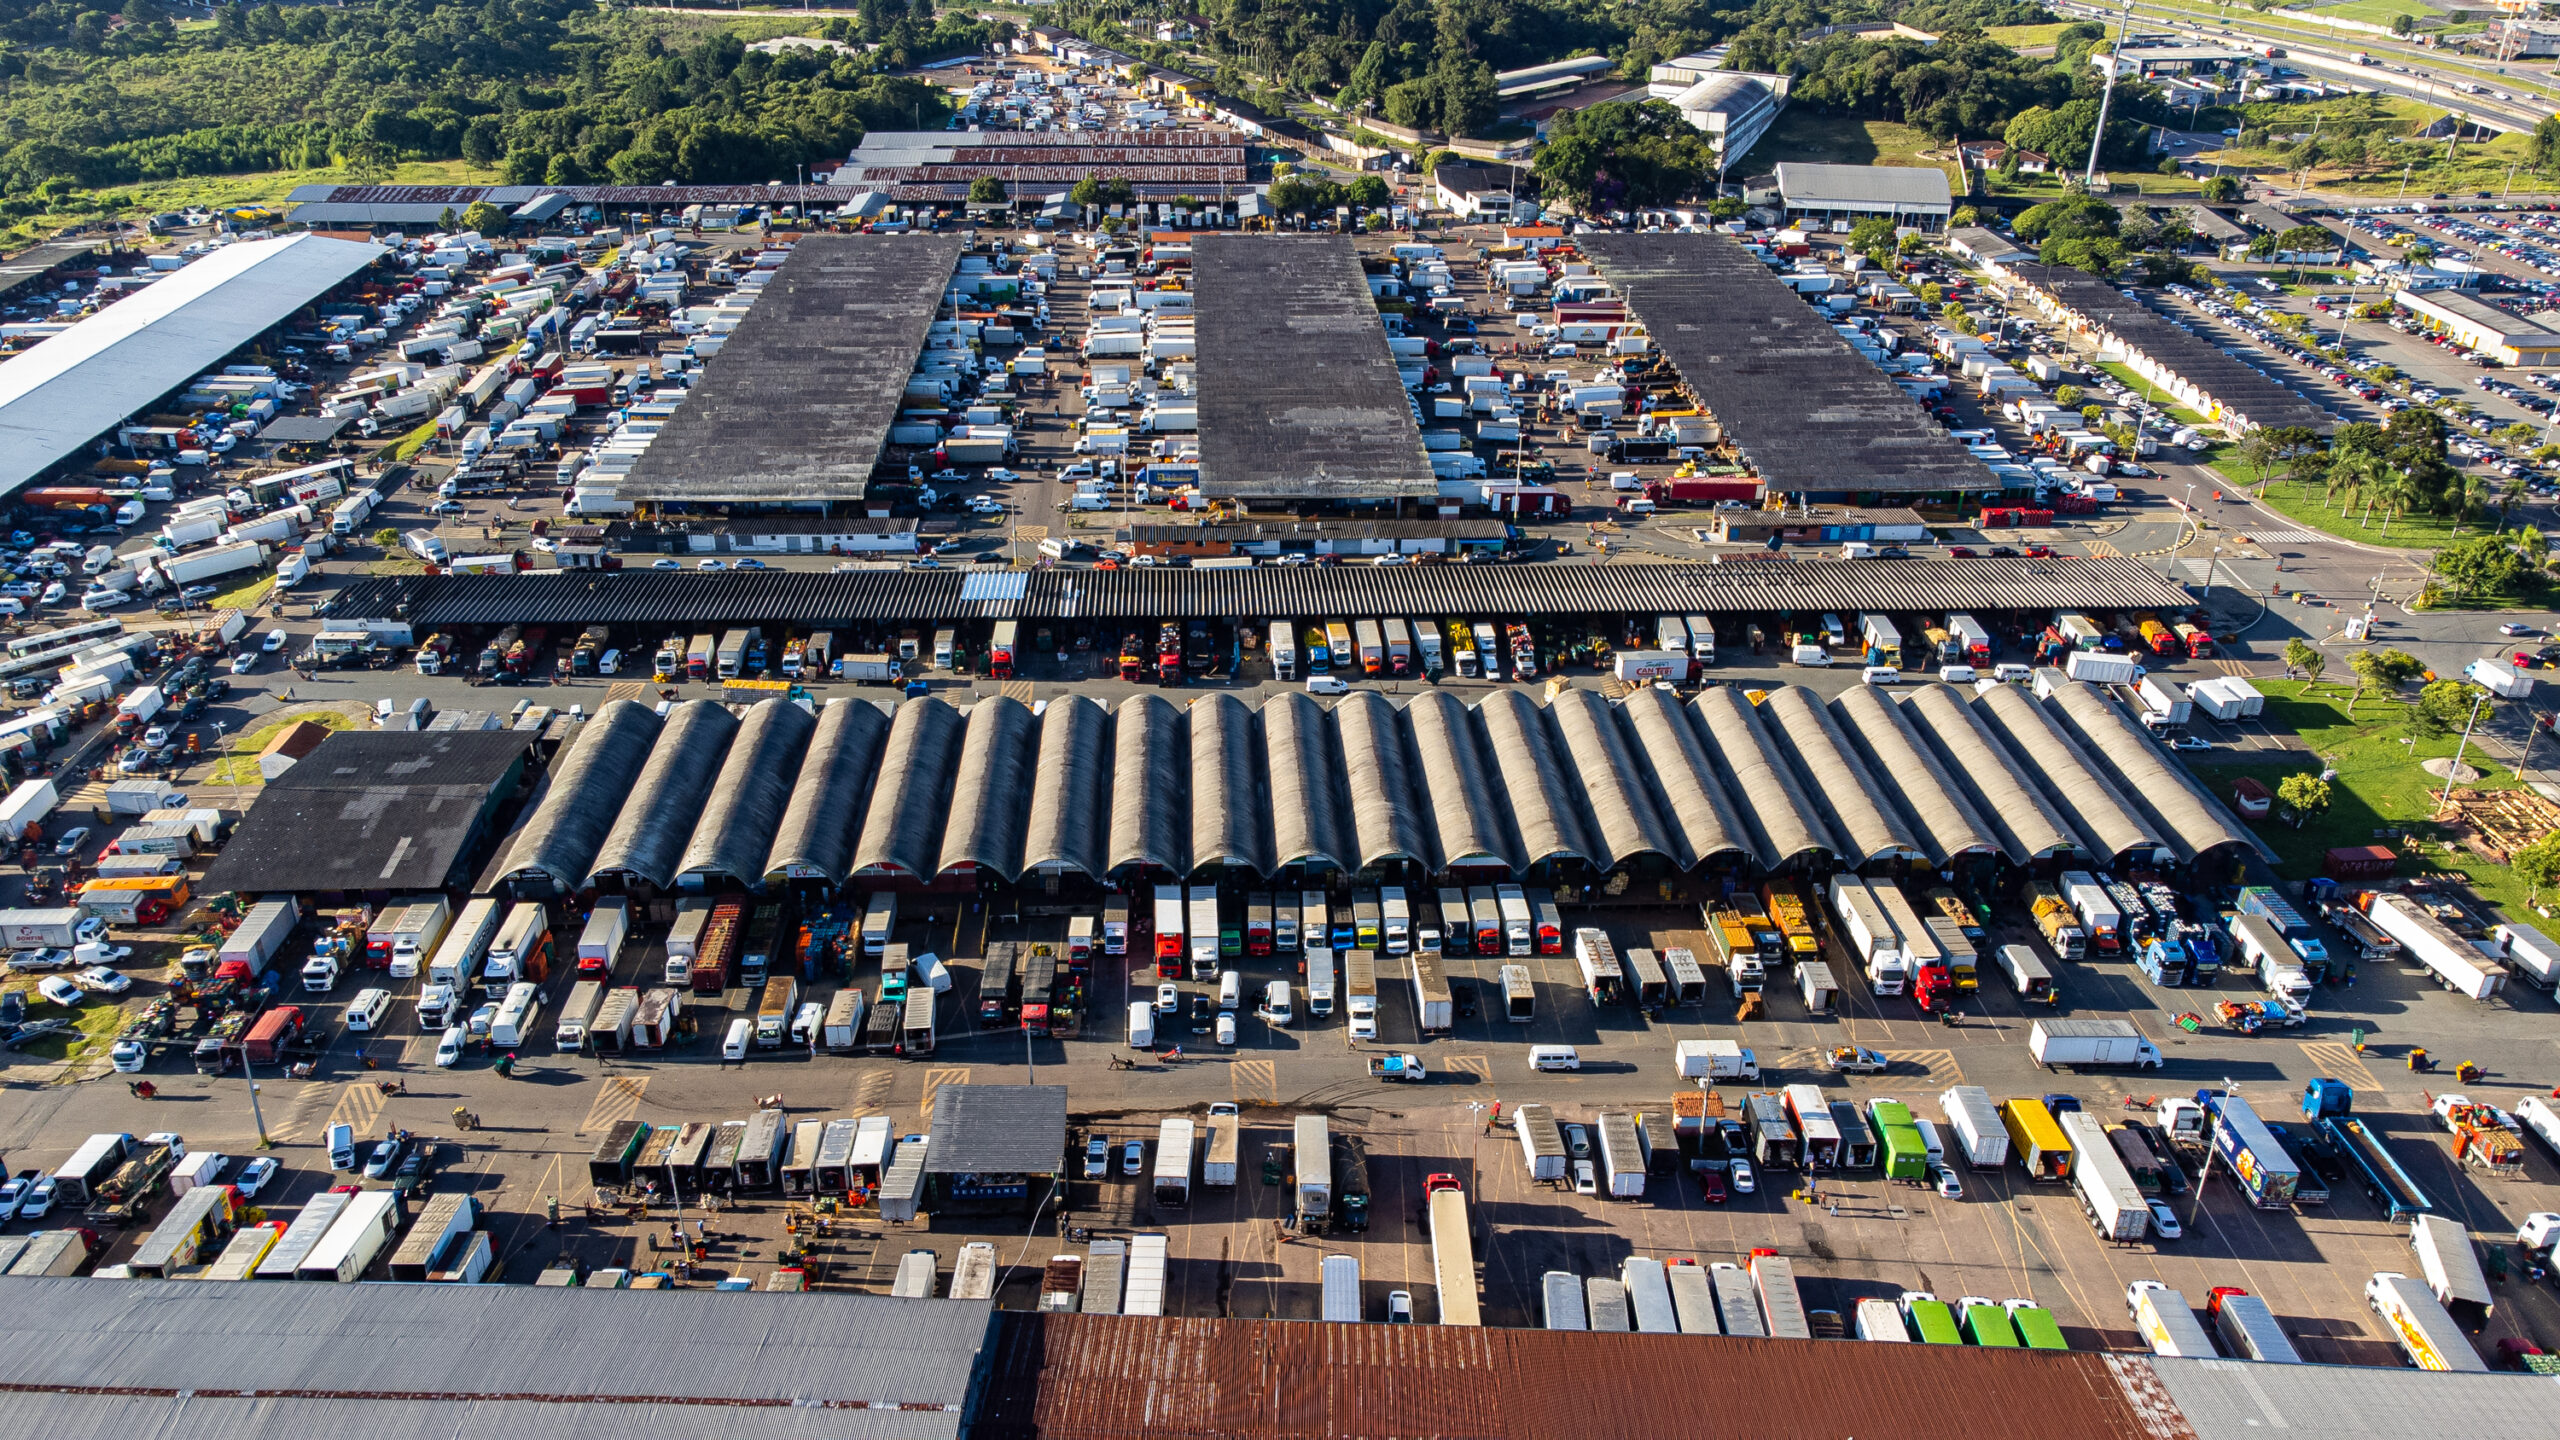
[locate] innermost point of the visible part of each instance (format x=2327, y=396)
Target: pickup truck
x=1398, y=1067
x=1854, y=1060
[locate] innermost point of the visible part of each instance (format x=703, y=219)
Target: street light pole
x=256, y=1117
x=2456, y=768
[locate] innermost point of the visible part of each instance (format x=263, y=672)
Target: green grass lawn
x=2026, y=37
x=239, y=764
x=2379, y=12
x=2379, y=787
x=2408, y=532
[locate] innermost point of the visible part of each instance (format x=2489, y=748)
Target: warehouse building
x=1812, y=417
x=1915, y=195
x=62, y=394
x=2189, y=369
x=2475, y=324
x=796, y=409
x=376, y=811
x=923, y=793
x=937, y=166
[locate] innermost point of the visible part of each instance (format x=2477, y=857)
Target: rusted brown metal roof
x=1060, y=1377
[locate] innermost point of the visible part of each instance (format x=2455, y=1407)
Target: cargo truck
x=2426, y=1331
x=2168, y=1324
x=2457, y=964
x=2248, y=1329
x=1621, y=1158
x=1976, y=1123
x=2451, y=1268
x=1873, y=940
x=2041, y=1145
x=1708, y=1061
x=1312, y=1160
x=2108, y=1195
x=2057, y=921
x=2076, y=1044
x=1218, y=1156
x=1453, y=1265
x=2249, y=1150
x=1541, y=1142
x=1172, y=1179
x=1781, y=1307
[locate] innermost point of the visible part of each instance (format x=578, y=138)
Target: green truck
x=1906, y=1156
x=1986, y=1323
x=1930, y=1319
x=2036, y=1329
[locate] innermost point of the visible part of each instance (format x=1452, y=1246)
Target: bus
x=1453, y=1256
x=69, y=636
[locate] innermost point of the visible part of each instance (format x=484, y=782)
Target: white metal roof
x=68, y=390
x=1863, y=187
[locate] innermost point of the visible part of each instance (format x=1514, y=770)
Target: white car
x=449, y=1049
x=244, y=662
x=1328, y=685
x=1168, y=998
x=61, y=990
x=274, y=640
x=986, y=505
x=1227, y=1028
x=712, y=565
x=255, y=1175
x=1949, y=1187
x=103, y=980
x=1744, y=1182
x=2164, y=1221
x=2191, y=742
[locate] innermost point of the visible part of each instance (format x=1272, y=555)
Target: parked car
x=1097, y=1158
x=255, y=1175
x=61, y=990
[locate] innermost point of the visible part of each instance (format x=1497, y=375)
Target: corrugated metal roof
x=1543, y=813
x=1151, y=753
x=585, y=792
x=2194, y=819
x=1069, y=823
x=1306, y=812
x=2251, y=394
x=1776, y=813
x=667, y=800
x=991, y=795
x=1696, y=812
x=195, y=1415
x=660, y=600
x=2003, y=794
x=66, y=390
x=829, y=794
x=998, y=1130
x=1227, y=806
x=1618, y=807
x=1836, y=778
x=747, y=802
x=1940, y=812
x=797, y=405
x=2108, y=826
x=530, y=1344
x=1387, y=818
x=1456, y=784
x=1066, y=1377
x=2241, y=1400
x=912, y=802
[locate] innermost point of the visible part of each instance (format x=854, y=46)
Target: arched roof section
x=746, y=804
x=1837, y=778
x=2194, y=820
x=1386, y=814
x=2030, y=826
x=1150, y=799
x=1697, y=815
x=1456, y=782
x=585, y=793
x=815, y=839
x=1931, y=803
x=1533, y=778
x=1781, y=819
x=1618, y=810
x=903, y=827
x=1226, y=786
x=991, y=793
x=2107, y=825
x=1068, y=820
x=667, y=799
x=1306, y=811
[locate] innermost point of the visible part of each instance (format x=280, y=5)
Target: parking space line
x=306, y=1103
x=358, y=1106
x=617, y=1100
x=935, y=1080
x=1257, y=1082
x=1480, y=1066
x=2332, y=1057
x=1941, y=1064
x=870, y=1092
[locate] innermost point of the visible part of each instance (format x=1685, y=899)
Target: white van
x=1230, y=990
x=1879, y=675
x=1554, y=1057
x=734, y=1047
x=1142, y=1025
x=1957, y=674
x=1275, y=1003
x=2013, y=673
x=365, y=1012
x=1809, y=655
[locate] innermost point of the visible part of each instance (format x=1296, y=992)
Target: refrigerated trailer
x=1453, y=1262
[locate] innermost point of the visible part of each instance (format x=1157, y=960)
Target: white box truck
x=2080, y=1043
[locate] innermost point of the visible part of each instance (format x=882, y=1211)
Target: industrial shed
x=1306, y=805
x=649, y=834
x=747, y=801
x=1785, y=827
x=1623, y=820
x=2197, y=824
x=1456, y=786
x=375, y=811
x=991, y=794
x=815, y=838
x=1151, y=753
x=1227, y=809
x=2004, y=795
x=1543, y=813
x=579, y=802
x=1838, y=780
x=1697, y=815
x=912, y=802
x=1067, y=790
x=1927, y=798
x=2109, y=828
x=1386, y=816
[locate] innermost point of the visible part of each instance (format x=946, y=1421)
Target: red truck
x=276, y=1029
x=717, y=958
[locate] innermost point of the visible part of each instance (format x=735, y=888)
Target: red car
x=1711, y=1184
x=1960, y=552
x=2040, y=552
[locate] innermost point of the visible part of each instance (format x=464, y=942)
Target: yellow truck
x=1787, y=911
x=2055, y=918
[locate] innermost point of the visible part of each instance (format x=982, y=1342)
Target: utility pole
x=2115, y=57
x=255, y=1116
x=2455, y=769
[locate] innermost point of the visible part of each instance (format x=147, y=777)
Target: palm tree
x=2396, y=493
x=2510, y=495
x=2353, y=474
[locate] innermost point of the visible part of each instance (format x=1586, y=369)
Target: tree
x=1726, y=207
x=1369, y=192
x=2444, y=708
x=2403, y=23
x=2537, y=864
x=484, y=218
x=2223, y=190
x=2067, y=396
x=2385, y=670
x=1620, y=156
x=988, y=190
x=386, y=538
x=2305, y=794
x=448, y=220
x=2302, y=655
x=2544, y=154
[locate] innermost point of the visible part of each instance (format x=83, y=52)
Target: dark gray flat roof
x=998, y=1129
x=798, y=403
x=372, y=810
x=2235, y=384
x=1809, y=413
x=1299, y=397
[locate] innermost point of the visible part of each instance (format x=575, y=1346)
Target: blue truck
x=2389, y=1186
x=2243, y=1143
x=2164, y=962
